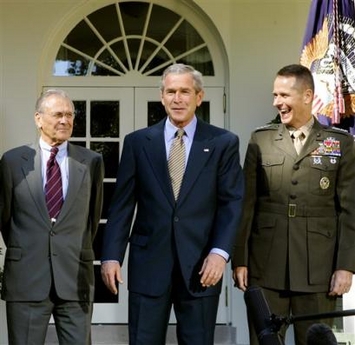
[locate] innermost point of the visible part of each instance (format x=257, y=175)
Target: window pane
x=158, y=29
x=110, y=152
x=84, y=39
x=107, y=59
x=97, y=245
x=203, y=111
x=183, y=39
x=105, y=119
x=102, y=293
x=201, y=60
x=69, y=63
x=133, y=16
x=79, y=143
x=109, y=188
x=106, y=22
x=156, y=112
x=79, y=129
x=159, y=58
x=122, y=59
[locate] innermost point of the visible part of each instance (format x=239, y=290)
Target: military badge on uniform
x=317, y=160
x=329, y=147
x=324, y=183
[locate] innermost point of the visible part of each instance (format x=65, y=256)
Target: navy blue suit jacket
x=205, y=216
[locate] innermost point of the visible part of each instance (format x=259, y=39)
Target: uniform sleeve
x=346, y=200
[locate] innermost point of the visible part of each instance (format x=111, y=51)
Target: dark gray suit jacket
x=38, y=253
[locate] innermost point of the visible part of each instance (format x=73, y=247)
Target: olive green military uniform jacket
x=298, y=222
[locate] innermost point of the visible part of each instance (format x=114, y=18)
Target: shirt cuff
x=220, y=252
x=103, y=261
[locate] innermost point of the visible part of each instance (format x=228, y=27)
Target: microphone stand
x=267, y=325
x=278, y=321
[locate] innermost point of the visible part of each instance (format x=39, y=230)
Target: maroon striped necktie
x=53, y=188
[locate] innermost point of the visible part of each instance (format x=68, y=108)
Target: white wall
x=25, y=27
x=260, y=36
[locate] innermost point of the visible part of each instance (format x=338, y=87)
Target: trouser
x=149, y=316
x=28, y=321
x=286, y=303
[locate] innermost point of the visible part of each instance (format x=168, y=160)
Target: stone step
x=118, y=335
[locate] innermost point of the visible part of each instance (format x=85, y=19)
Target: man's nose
x=276, y=101
x=64, y=119
x=177, y=96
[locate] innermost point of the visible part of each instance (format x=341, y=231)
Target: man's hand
x=111, y=273
x=340, y=283
x=212, y=269
x=240, y=277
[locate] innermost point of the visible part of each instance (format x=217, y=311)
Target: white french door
x=105, y=116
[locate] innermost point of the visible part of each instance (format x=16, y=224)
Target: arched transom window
x=136, y=40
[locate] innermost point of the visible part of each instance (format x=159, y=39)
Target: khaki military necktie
x=176, y=161
x=297, y=137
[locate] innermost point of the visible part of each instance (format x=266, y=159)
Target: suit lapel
x=31, y=166
x=77, y=170
x=201, y=150
x=156, y=155
x=284, y=142
x=316, y=135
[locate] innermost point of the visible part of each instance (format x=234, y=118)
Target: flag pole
x=339, y=106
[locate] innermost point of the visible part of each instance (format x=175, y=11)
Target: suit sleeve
x=230, y=195
x=5, y=198
x=96, y=194
x=240, y=250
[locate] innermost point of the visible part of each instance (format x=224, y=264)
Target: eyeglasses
x=60, y=115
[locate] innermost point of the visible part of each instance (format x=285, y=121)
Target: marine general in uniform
x=297, y=236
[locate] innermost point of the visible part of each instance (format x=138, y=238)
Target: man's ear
x=38, y=120
x=308, y=96
x=200, y=96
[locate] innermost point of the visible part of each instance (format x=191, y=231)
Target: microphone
x=263, y=321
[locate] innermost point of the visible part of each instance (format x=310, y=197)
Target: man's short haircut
x=301, y=73
x=48, y=93
x=180, y=68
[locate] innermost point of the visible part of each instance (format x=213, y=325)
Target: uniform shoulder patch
x=337, y=130
x=271, y=126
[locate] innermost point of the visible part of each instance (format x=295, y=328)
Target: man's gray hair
x=180, y=68
x=48, y=93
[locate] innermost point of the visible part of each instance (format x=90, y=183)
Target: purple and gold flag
x=329, y=52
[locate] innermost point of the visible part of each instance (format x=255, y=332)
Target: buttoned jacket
x=168, y=234
x=41, y=254
x=298, y=222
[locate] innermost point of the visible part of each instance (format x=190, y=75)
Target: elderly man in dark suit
x=183, y=233
x=297, y=234
x=48, y=222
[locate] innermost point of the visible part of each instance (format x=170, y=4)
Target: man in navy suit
x=179, y=247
